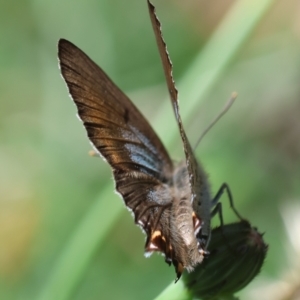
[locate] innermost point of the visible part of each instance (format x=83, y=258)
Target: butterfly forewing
x=200, y=194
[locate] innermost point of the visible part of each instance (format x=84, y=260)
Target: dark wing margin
x=191, y=162
x=141, y=165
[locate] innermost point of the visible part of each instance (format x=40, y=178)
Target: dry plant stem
x=293, y=293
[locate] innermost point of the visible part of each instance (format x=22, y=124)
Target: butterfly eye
x=203, y=241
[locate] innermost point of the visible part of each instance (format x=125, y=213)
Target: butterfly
x=171, y=203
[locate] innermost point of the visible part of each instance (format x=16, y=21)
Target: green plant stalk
x=79, y=250
x=204, y=72
x=174, y=291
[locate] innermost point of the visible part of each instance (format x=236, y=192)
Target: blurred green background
x=63, y=232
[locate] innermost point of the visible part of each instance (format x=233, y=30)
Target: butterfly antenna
x=217, y=118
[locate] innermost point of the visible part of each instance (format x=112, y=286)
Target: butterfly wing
x=141, y=165
x=197, y=178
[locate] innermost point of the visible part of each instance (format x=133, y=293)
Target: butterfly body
x=185, y=223
x=168, y=219
x=172, y=204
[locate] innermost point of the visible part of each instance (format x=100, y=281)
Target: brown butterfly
x=171, y=203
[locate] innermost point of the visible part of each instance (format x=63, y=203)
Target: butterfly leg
x=218, y=210
x=217, y=205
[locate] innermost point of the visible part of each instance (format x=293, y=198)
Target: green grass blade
x=175, y=291
x=79, y=250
